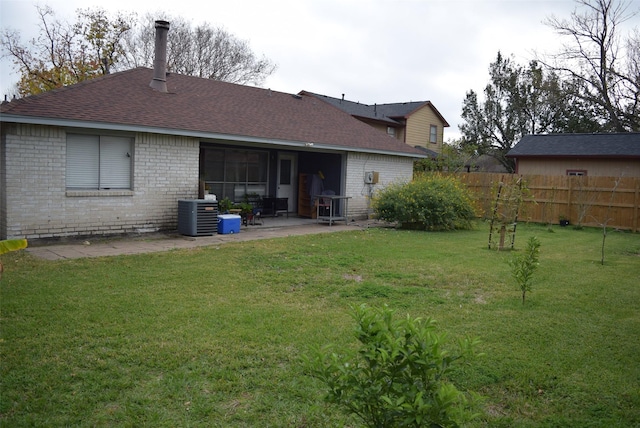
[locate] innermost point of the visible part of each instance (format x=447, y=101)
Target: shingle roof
x=197, y=106
x=381, y=112
x=584, y=145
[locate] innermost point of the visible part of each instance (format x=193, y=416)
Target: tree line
x=98, y=43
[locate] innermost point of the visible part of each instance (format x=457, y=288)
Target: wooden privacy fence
x=583, y=200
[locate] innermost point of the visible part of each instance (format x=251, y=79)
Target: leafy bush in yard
x=429, y=202
x=397, y=377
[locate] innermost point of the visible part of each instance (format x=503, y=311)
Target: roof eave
x=306, y=145
x=383, y=121
x=435, y=110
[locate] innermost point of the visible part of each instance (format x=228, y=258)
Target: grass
x=213, y=336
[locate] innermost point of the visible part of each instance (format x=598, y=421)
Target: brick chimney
x=159, y=81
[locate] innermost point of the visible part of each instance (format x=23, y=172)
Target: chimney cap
x=162, y=24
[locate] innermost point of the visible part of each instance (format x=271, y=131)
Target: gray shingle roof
x=389, y=113
x=584, y=145
x=204, y=107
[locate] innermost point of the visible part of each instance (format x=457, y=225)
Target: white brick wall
x=37, y=204
x=390, y=168
x=34, y=202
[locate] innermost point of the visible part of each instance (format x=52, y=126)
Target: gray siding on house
x=390, y=169
x=37, y=205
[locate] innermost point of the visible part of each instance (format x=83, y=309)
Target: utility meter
x=371, y=177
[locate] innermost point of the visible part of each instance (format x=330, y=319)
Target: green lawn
x=214, y=336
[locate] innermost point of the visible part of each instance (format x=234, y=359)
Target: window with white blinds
x=98, y=162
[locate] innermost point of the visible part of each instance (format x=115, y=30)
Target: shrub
x=429, y=202
x=397, y=377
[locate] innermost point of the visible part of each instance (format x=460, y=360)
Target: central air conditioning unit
x=197, y=217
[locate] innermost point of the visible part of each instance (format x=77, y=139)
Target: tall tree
x=495, y=125
x=63, y=53
x=202, y=51
x=522, y=100
x=603, y=66
x=98, y=43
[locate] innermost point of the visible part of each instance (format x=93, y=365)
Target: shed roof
x=204, y=108
x=603, y=145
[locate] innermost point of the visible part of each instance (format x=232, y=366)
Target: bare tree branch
x=202, y=51
x=596, y=58
x=98, y=43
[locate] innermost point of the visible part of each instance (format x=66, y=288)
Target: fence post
x=636, y=202
x=569, y=197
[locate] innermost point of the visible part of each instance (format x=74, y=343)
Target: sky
x=372, y=51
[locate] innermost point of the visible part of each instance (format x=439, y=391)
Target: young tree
x=604, y=70
x=607, y=219
x=524, y=265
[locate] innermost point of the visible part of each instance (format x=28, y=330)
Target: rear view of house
x=115, y=154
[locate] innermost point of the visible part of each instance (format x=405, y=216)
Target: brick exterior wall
x=390, y=169
x=36, y=205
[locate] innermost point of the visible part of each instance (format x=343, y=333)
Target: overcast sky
x=373, y=51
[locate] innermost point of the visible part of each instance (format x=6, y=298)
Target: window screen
x=234, y=173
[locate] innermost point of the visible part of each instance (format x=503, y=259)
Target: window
x=433, y=134
x=576, y=172
x=234, y=173
x=391, y=131
x=98, y=162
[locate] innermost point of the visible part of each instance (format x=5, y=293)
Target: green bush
x=397, y=377
x=429, y=202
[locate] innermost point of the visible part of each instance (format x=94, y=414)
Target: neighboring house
x=418, y=124
x=115, y=154
x=611, y=154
